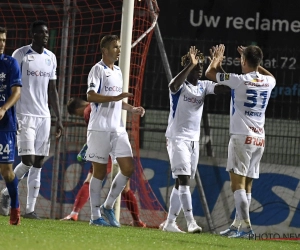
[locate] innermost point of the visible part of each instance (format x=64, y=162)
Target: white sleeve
x=53, y=74
x=95, y=78
x=209, y=87
x=229, y=79
x=18, y=55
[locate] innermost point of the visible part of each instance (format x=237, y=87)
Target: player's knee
x=183, y=180
x=7, y=174
x=28, y=160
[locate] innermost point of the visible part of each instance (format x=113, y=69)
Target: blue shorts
x=7, y=147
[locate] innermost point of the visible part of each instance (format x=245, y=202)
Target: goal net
x=75, y=31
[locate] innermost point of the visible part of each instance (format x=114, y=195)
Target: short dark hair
x=106, y=40
x=253, y=55
x=73, y=104
x=36, y=24
x=3, y=30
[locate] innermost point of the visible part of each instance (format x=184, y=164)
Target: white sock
x=33, y=188
x=175, y=205
x=186, y=202
x=95, y=197
x=20, y=170
x=249, y=196
x=237, y=222
x=116, y=188
x=241, y=204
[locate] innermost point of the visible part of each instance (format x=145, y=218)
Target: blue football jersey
x=10, y=76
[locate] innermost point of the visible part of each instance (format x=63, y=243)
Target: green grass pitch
x=54, y=234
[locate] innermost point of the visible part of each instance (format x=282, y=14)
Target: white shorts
x=244, y=155
x=184, y=156
x=101, y=144
x=33, y=135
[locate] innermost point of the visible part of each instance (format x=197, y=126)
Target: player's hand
x=193, y=55
x=218, y=52
x=122, y=96
x=59, y=129
x=138, y=111
x=2, y=113
x=241, y=49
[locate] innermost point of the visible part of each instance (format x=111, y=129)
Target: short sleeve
x=15, y=79
x=95, y=78
x=209, y=87
x=230, y=80
x=18, y=55
x=54, y=61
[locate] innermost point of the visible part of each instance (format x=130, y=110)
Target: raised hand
x=193, y=55
x=218, y=52
x=241, y=49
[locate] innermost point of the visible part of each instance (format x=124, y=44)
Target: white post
x=124, y=64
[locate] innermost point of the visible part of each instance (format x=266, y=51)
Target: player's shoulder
x=49, y=53
x=116, y=67
x=23, y=50
x=9, y=60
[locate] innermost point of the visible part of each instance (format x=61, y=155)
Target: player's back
x=249, y=102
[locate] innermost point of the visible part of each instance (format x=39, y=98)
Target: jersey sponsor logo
x=192, y=100
x=96, y=156
x=2, y=87
x=256, y=130
x=38, y=73
x=114, y=88
x=224, y=77
x=2, y=77
x=254, y=83
x=26, y=150
x=250, y=113
x=256, y=141
x=2, y=97
x=48, y=61
x=92, y=85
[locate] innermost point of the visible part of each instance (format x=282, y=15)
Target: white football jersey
x=250, y=94
x=36, y=70
x=105, y=81
x=186, y=107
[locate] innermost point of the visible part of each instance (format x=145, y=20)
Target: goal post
x=124, y=64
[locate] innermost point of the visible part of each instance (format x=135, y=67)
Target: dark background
x=281, y=48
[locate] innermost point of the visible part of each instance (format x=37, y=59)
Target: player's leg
x=99, y=173
x=132, y=205
x=81, y=197
x=175, y=205
x=7, y=141
x=11, y=182
x=25, y=142
x=41, y=149
x=121, y=150
x=233, y=166
x=97, y=153
x=33, y=185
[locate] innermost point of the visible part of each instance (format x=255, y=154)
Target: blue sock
x=12, y=188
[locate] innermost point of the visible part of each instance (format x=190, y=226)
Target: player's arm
x=15, y=96
x=53, y=101
x=134, y=110
x=177, y=81
x=92, y=96
x=214, y=66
